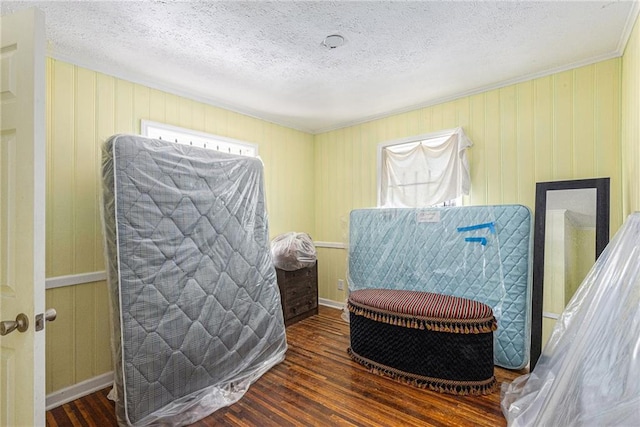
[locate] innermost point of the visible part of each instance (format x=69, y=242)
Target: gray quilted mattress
x=482, y=253
x=196, y=311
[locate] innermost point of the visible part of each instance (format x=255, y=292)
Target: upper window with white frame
x=423, y=171
x=199, y=139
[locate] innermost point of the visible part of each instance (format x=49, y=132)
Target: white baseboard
x=79, y=390
x=331, y=303
x=76, y=391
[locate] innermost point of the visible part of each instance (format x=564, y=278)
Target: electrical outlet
x=340, y=284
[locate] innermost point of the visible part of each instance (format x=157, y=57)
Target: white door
x=22, y=217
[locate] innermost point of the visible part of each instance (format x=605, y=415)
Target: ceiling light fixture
x=333, y=41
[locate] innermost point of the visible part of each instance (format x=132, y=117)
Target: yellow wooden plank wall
x=77, y=346
x=631, y=122
x=83, y=109
x=563, y=126
x=575, y=124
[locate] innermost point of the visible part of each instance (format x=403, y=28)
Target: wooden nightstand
x=299, y=293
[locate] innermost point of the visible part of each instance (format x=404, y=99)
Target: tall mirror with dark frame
x=571, y=230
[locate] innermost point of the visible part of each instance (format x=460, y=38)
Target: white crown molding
x=131, y=77
x=472, y=92
x=628, y=27
x=134, y=78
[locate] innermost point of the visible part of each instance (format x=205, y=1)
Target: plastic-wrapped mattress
x=588, y=372
x=482, y=253
x=195, y=309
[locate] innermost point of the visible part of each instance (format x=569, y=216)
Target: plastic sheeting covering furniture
x=589, y=371
x=293, y=251
x=482, y=253
x=196, y=314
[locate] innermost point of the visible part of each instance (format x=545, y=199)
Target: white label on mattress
x=428, y=216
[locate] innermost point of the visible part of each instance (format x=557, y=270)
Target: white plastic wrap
x=482, y=253
x=293, y=251
x=589, y=372
x=195, y=308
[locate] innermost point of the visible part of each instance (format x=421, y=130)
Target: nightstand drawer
x=298, y=293
x=302, y=274
x=300, y=306
x=298, y=289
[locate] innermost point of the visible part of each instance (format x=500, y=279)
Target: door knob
x=49, y=315
x=21, y=324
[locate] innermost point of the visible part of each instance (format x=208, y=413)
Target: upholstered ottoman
x=429, y=340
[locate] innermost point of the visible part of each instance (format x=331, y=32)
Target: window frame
x=147, y=125
x=411, y=140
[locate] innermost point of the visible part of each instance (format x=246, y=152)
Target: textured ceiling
x=266, y=59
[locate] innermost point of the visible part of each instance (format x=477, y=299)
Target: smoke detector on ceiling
x=333, y=41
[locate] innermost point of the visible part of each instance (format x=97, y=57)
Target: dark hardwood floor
x=319, y=385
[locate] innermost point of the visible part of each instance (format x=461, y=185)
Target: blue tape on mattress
x=479, y=252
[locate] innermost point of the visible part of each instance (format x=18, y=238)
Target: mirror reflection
x=570, y=248
x=571, y=218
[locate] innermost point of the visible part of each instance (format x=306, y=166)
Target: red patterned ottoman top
x=423, y=310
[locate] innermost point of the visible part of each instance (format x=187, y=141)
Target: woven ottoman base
x=427, y=340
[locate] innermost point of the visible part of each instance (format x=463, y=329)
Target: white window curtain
x=425, y=172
